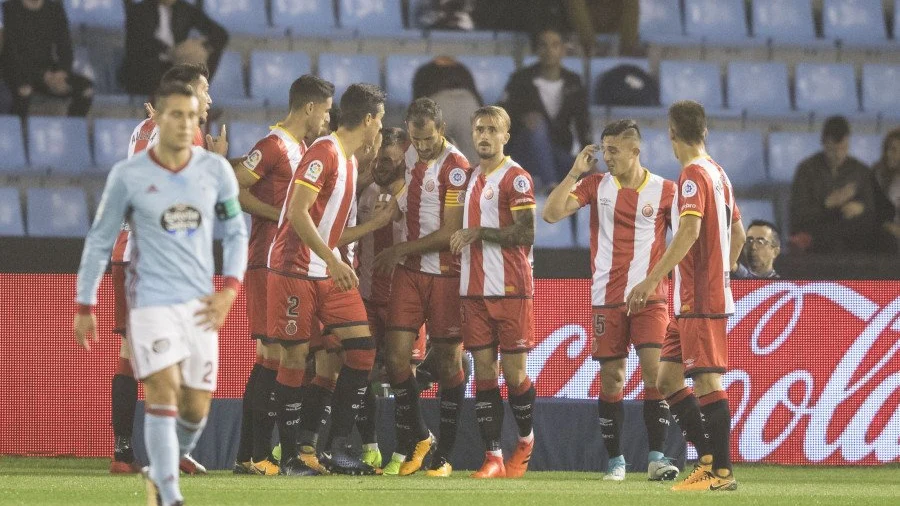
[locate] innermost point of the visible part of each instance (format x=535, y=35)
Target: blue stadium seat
x=826, y=88
x=660, y=21
x=866, y=147
x=491, y=74
x=399, y=73
x=304, y=17
x=756, y=209
x=716, y=21
x=12, y=145
x=880, y=92
x=56, y=212
x=784, y=21
x=242, y=136
x=371, y=17
x=759, y=87
x=272, y=72
x=59, y=144
x=240, y=16
x=656, y=153
x=111, y=138
x=227, y=88
x=96, y=13
x=557, y=235
x=693, y=80
x=10, y=213
x=740, y=154
x=787, y=150
x=345, y=69
x=854, y=21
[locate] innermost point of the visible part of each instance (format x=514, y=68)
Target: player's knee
x=359, y=353
x=668, y=382
x=612, y=379
x=294, y=357
x=486, y=366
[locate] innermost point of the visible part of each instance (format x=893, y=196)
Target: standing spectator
x=887, y=175
x=37, y=56
x=762, y=247
x=156, y=37
x=833, y=197
x=545, y=101
x=450, y=84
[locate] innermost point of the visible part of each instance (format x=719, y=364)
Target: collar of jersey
x=640, y=187
x=280, y=126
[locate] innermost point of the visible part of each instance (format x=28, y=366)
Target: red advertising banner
x=814, y=374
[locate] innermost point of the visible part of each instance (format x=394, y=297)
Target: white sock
x=188, y=434
x=162, y=450
x=495, y=453
x=527, y=439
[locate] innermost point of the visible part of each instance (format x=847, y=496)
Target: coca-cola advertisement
x=814, y=371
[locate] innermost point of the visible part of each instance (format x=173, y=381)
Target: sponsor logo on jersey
x=688, y=188
x=313, y=170
x=521, y=184
x=457, y=177
x=181, y=219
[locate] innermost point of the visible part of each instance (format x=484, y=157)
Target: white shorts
x=162, y=336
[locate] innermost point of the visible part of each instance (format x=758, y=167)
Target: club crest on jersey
x=181, y=219
x=291, y=328
x=313, y=171
x=688, y=188
x=253, y=159
x=429, y=185
x=488, y=192
x=457, y=177
x=521, y=184
x=647, y=211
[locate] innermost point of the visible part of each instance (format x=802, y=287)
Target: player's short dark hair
x=835, y=129
x=776, y=232
x=359, y=100
x=309, y=88
x=334, y=117
x=688, y=118
x=619, y=127
x=186, y=73
x=423, y=110
x=536, y=35
x=393, y=136
x=172, y=88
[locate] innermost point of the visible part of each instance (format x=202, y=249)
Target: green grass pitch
x=70, y=482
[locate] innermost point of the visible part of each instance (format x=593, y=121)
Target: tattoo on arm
x=520, y=233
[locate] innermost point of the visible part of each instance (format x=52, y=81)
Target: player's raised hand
x=216, y=307
x=151, y=112
x=585, y=160
x=85, y=326
x=639, y=295
x=343, y=275
x=462, y=238
x=218, y=145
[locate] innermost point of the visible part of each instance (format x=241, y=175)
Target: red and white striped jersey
x=325, y=170
x=488, y=269
x=272, y=161
x=702, y=285
x=628, y=233
x=375, y=288
x=430, y=190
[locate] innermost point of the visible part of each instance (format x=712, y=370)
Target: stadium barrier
x=814, y=373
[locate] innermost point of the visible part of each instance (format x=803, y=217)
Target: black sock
x=686, y=413
x=409, y=413
x=656, y=419
x=316, y=400
x=245, y=444
x=124, y=398
x=264, y=413
x=367, y=418
x=451, y=401
x=523, y=408
x=612, y=415
x=489, y=414
x=349, y=390
x=289, y=401
x=718, y=424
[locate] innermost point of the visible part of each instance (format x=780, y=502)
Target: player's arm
x=738, y=237
x=383, y=214
x=520, y=233
x=246, y=178
x=301, y=201
x=438, y=240
x=562, y=202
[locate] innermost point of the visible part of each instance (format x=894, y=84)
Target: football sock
x=316, y=402
x=714, y=407
x=451, y=399
x=489, y=413
x=348, y=393
x=521, y=400
x=409, y=413
x=289, y=396
x=612, y=415
x=656, y=419
x=264, y=413
x=245, y=445
x=367, y=418
x=686, y=411
x=124, y=400
x=161, y=441
x=188, y=434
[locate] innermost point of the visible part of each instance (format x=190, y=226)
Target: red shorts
x=614, y=330
x=319, y=341
x=417, y=298
x=378, y=325
x=505, y=322
x=120, y=321
x=295, y=303
x=255, y=290
x=700, y=344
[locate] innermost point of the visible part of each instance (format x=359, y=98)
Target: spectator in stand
x=545, y=101
x=832, y=206
x=887, y=176
x=156, y=37
x=761, y=248
x=37, y=56
x=450, y=84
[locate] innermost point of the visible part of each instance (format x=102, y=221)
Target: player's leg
x=243, y=458
x=367, y=418
x=611, y=341
x=255, y=290
x=124, y=400
x=328, y=362
x=264, y=407
x=515, y=331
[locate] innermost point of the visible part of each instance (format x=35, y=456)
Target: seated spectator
x=37, y=56
x=887, y=176
x=545, y=101
x=832, y=207
x=156, y=37
x=450, y=84
x=762, y=247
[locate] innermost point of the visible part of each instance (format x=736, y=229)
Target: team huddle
x=368, y=241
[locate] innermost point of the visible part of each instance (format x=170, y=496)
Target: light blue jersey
x=171, y=218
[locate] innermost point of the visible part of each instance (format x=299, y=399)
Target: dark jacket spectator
x=150, y=50
x=37, y=55
x=887, y=176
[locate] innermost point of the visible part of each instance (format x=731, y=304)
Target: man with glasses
x=762, y=247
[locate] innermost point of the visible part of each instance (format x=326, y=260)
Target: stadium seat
x=108, y=14
x=756, y=209
x=740, y=154
x=111, y=137
x=371, y=17
x=242, y=136
x=272, y=72
x=716, y=21
x=12, y=145
x=826, y=88
x=660, y=21
x=345, y=69
x=10, y=213
x=769, y=92
x=557, y=235
x=227, y=88
x=56, y=212
x=693, y=80
x=787, y=150
x=399, y=73
x=247, y=17
x=59, y=144
x=784, y=21
x=880, y=92
x=491, y=74
x=599, y=66
x=304, y=17
x=656, y=153
x=82, y=64
x=866, y=147
x=854, y=21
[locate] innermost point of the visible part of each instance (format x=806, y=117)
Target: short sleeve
x=454, y=179
x=263, y=158
x=317, y=167
x=736, y=213
x=585, y=190
x=521, y=191
x=692, y=191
